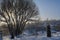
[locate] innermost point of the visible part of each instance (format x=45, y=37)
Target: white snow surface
x=41, y=36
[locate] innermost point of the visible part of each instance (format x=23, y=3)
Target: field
x=40, y=36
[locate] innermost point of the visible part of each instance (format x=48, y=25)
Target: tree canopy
x=16, y=13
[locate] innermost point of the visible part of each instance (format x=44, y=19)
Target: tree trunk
x=12, y=36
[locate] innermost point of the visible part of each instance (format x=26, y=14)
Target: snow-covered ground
x=41, y=36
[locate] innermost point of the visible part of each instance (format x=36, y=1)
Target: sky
x=48, y=9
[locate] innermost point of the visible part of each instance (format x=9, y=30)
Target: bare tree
x=17, y=13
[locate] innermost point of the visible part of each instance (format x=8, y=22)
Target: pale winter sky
x=48, y=9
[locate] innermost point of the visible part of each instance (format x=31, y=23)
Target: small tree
x=48, y=31
x=17, y=13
